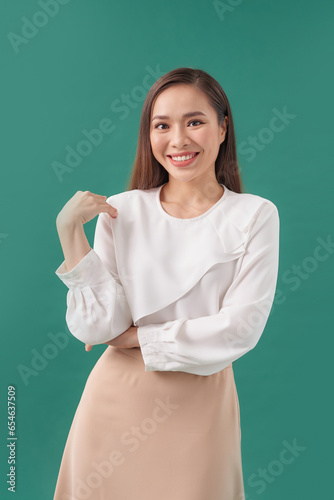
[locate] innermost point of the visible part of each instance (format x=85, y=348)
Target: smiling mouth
x=181, y=161
x=183, y=157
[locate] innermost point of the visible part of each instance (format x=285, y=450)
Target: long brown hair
x=147, y=172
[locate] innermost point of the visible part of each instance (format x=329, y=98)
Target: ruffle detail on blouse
x=176, y=252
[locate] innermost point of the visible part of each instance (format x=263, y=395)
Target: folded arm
x=208, y=344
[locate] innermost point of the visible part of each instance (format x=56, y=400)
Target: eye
x=158, y=125
x=192, y=121
x=195, y=121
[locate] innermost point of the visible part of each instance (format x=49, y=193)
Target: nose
x=179, y=137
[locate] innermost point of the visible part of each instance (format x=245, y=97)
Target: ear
x=223, y=129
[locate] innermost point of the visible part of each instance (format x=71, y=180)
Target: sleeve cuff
x=144, y=334
x=152, y=348
x=89, y=271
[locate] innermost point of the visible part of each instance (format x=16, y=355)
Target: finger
x=88, y=347
x=106, y=207
x=94, y=194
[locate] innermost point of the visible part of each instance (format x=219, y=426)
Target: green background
x=74, y=72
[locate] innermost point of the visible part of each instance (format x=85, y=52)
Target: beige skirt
x=158, y=435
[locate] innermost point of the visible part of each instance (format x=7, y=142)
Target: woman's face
x=179, y=135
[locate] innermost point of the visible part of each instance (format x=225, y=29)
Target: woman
x=179, y=283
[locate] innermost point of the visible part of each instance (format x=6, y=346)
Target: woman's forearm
x=73, y=241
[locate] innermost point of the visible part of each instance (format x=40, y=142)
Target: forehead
x=179, y=99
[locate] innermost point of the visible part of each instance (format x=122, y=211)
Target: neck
x=196, y=192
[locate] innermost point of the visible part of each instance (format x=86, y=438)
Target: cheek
x=157, y=142
x=204, y=139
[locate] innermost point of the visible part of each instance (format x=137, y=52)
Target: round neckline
x=189, y=219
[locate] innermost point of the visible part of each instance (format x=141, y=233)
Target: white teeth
x=183, y=158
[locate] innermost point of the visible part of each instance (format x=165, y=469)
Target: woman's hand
x=83, y=207
x=126, y=340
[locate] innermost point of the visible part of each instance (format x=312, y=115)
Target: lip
x=183, y=163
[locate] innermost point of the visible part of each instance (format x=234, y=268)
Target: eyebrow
x=186, y=115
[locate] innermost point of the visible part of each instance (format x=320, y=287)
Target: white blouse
x=199, y=290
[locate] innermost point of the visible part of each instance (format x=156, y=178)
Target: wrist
x=64, y=223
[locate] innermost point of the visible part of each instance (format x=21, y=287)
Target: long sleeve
x=206, y=345
x=97, y=307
